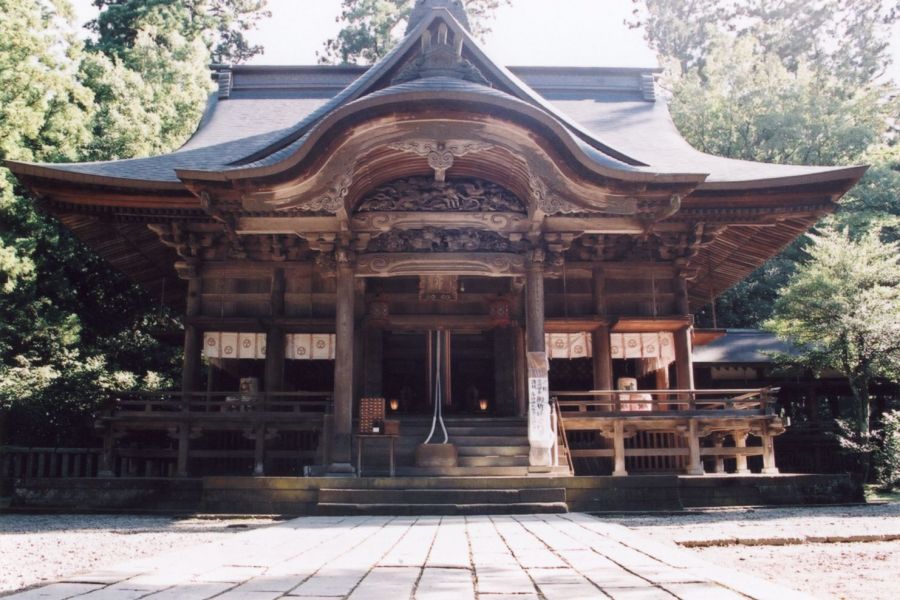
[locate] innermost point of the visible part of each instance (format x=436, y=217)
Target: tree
x=222, y=24
x=372, y=27
x=792, y=82
x=842, y=309
x=847, y=38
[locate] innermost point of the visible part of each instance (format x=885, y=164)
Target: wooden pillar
x=184, y=440
x=602, y=359
x=504, y=371
x=534, y=303
x=275, y=338
x=719, y=443
x=619, y=448
x=373, y=383
x=106, y=466
x=768, y=441
x=695, y=464
x=190, y=374
x=684, y=367
x=740, y=441
x=684, y=363
x=259, y=451
x=341, y=460
x=521, y=374
x=602, y=356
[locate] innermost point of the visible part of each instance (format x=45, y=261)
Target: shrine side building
x=438, y=228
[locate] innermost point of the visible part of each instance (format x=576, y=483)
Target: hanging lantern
x=394, y=404
x=483, y=405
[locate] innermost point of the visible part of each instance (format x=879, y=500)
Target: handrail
x=220, y=402
x=652, y=401
x=561, y=435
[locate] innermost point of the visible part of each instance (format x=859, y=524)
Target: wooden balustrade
x=18, y=462
x=689, y=415
x=653, y=402
x=280, y=404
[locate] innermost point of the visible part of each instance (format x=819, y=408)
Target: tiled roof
x=742, y=346
x=260, y=115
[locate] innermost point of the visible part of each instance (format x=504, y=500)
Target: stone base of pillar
x=695, y=471
x=770, y=471
x=340, y=470
x=743, y=472
x=105, y=475
x=622, y=473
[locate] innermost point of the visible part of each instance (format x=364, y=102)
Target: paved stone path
x=535, y=557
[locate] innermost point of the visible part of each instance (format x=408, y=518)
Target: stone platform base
x=295, y=496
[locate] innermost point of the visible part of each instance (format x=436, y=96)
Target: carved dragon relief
x=441, y=154
x=432, y=239
x=421, y=194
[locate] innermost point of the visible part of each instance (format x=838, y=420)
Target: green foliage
x=372, y=27
x=887, y=455
x=221, y=24
x=71, y=328
x=847, y=38
x=842, y=308
x=791, y=82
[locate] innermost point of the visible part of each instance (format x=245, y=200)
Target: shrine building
x=510, y=255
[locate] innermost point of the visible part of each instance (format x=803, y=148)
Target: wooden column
x=719, y=443
x=684, y=363
x=534, y=303
x=106, y=465
x=275, y=338
x=602, y=359
x=740, y=441
x=259, y=451
x=504, y=371
x=190, y=374
x=341, y=460
x=521, y=373
x=768, y=441
x=374, y=362
x=695, y=464
x=619, y=448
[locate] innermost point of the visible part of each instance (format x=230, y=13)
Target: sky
x=530, y=33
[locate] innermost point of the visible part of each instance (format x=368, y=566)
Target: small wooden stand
x=360, y=441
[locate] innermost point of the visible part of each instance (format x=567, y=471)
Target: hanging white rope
x=438, y=397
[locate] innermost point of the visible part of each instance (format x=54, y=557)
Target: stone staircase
x=495, y=447
x=444, y=496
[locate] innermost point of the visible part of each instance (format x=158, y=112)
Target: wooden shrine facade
x=362, y=209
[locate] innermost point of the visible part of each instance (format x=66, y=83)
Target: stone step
x=491, y=440
x=440, y=496
x=492, y=450
x=474, y=471
x=493, y=461
x=454, y=432
x=521, y=508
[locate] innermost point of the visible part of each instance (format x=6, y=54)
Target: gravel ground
x=37, y=549
x=750, y=543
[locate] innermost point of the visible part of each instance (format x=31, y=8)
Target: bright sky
x=531, y=32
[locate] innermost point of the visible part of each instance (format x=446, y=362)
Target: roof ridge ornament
x=440, y=56
x=423, y=7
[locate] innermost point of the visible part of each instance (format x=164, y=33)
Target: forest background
x=785, y=81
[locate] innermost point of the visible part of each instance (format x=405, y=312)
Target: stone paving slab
x=523, y=557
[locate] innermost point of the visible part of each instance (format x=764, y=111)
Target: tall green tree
x=372, y=27
x=71, y=328
x=842, y=308
x=222, y=24
x=847, y=38
x=784, y=81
